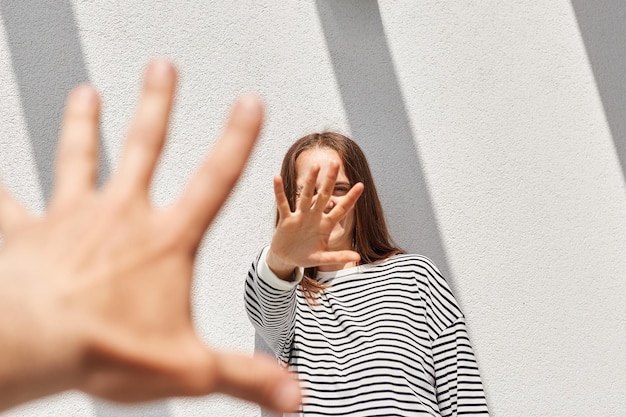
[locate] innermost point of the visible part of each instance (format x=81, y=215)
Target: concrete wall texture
x=496, y=132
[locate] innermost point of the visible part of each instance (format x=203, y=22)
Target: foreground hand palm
x=104, y=278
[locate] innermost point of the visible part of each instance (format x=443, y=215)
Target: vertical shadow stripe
x=602, y=25
x=48, y=62
x=373, y=102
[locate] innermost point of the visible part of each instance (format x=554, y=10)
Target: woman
x=370, y=330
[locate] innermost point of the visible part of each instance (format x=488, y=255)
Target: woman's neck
x=335, y=267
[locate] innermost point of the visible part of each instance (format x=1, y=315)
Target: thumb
x=257, y=379
x=335, y=257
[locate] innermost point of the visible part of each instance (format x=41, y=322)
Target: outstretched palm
x=301, y=237
x=106, y=306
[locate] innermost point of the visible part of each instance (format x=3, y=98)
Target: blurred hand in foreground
x=95, y=295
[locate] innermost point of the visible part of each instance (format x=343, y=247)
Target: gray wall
x=494, y=129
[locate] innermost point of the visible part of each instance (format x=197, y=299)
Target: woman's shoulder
x=412, y=261
x=425, y=274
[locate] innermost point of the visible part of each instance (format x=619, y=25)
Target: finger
x=326, y=190
x=211, y=184
x=308, y=190
x=124, y=383
x=77, y=154
x=346, y=203
x=12, y=214
x=335, y=257
x=259, y=380
x=148, y=129
x=282, y=204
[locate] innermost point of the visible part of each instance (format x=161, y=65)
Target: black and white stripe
x=387, y=339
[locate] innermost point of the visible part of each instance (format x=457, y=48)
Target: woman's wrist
x=280, y=268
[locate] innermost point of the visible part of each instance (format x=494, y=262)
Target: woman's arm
x=271, y=305
x=458, y=385
x=457, y=382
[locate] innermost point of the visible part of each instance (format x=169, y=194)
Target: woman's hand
x=95, y=295
x=301, y=237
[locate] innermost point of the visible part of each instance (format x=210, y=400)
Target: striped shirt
x=386, y=339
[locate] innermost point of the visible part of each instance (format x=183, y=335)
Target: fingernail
x=85, y=94
x=287, y=396
x=249, y=102
x=161, y=67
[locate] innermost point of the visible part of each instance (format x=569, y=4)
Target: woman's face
x=341, y=236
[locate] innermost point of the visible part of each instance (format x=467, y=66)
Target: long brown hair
x=371, y=238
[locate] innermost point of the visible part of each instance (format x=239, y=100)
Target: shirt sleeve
x=271, y=305
x=458, y=385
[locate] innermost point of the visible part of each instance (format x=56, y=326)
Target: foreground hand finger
x=77, y=154
x=210, y=186
x=346, y=203
x=195, y=372
x=259, y=380
x=148, y=129
x=12, y=214
x=335, y=257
